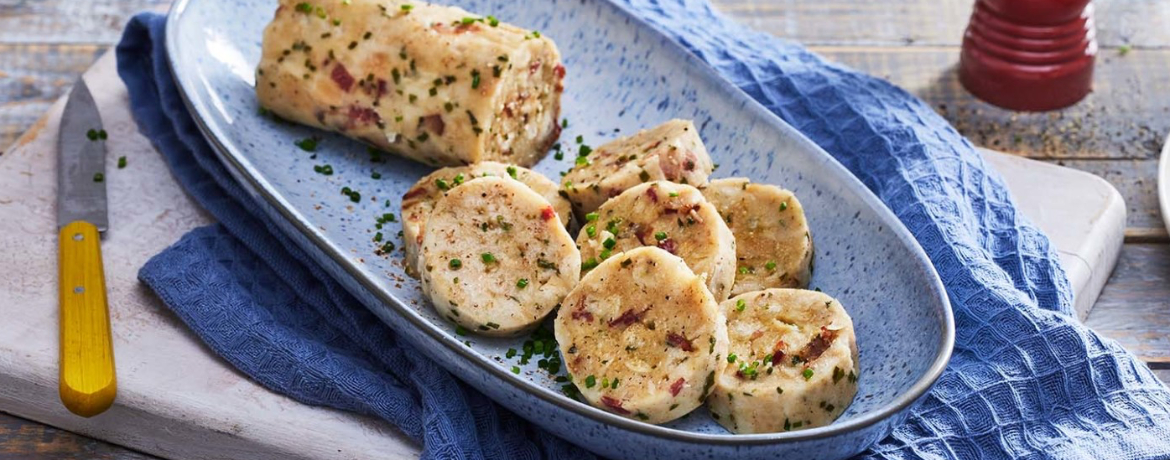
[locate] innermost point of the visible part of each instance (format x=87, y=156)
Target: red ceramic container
x=1031, y=55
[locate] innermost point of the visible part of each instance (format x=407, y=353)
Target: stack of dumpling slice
x=677, y=290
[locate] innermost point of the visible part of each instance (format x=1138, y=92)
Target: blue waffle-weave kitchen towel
x=1026, y=380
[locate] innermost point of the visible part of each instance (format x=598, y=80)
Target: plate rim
x=241, y=168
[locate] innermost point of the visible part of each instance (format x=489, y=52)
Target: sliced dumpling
x=793, y=361
x=642, y=337
x=671, y=151
x=773, y=246
x=418, y=202
x=670, y=216
x=495, y=258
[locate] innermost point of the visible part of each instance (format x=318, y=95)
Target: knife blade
x=87, y=383
x=81, y=192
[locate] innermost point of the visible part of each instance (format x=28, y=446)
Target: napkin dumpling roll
x=432, y=83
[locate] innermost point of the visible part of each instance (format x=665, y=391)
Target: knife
x=87, y=382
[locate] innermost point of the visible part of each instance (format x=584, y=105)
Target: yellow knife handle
x=87, y=377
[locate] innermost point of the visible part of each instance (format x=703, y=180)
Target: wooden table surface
x=1116, y=133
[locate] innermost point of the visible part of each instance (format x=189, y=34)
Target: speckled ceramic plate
x=623, y=76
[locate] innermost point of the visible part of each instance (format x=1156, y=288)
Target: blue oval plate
x=623, y=75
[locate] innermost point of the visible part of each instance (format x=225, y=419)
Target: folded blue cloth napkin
x=1026, y=380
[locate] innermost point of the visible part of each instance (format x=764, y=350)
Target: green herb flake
x=325, y=170
x=474, y=78
x=511, y=353
x=740, y=305
x=407, y=7
x=487, y=257
x=307, y=144
x=121, y=162
x=516, y=370
x=442, y=184
x=512, y=171
x=609, y=243
x=590, y=381
x=783, y=206
x=807, y=374
x=460, y=330
x=455, y=264
x=770, y=265
x=660, y=236
x=591, y=231
x=99, y=177
x=522, y=283
x=731, y=358
x=589, y=264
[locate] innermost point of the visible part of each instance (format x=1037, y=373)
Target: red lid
x=1031, y=55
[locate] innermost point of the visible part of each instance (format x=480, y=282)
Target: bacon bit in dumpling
x=677, y=386
x=817, y=346
x=679, y=341
x=434, y=124
x=342, y=77
x=614, y=404
x=629, y=317
x=668, y=245
x=548, y=213
x=778, y=353
x=363, y=115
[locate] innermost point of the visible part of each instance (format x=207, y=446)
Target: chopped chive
x=740, y=305
x=591, y=231
x=673, y=194
x=458, y=179
x=442, y=184
x=589, y=264
x=325, y=170
x=522, y=283
x=614, y=384
x=492, y=21
x=516, y=370
x=307, y=144
x=121, y=162
x=784, y=206
x=731, y=358
x=460, y=330
x=584, y=151
x=808, y=373
x=512, y=171
x=455, y=264
x=407, y=7
x=770, y=265
x=609, y=243
x=660, y=236
x=474, y=78
x=511, y=353
x=605, y=253
x=590, y=381
x=375, y=175
x=591, y=217
x=487, y=257
x=99, y=177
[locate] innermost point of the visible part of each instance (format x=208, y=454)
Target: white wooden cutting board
x=176, y=399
